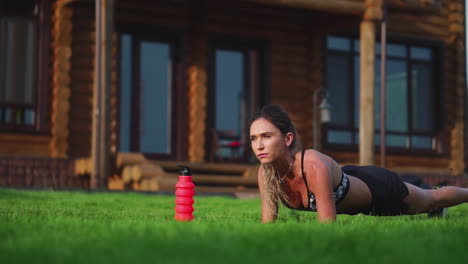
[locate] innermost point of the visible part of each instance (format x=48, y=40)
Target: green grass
x=79, y=227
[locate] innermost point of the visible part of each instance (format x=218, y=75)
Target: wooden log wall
x=25, y=144
x=296, y=38
x=458, y=81
x=32, y=144
x=444, y=26
x=82, y=80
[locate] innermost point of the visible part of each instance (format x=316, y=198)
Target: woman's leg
x=424, y=201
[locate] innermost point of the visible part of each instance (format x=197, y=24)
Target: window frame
x=42, y=17
x=240, y=44
x=179, y=96
x=436, y=47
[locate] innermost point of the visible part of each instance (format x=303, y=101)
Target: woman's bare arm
x=269, y=214
x=319, y=176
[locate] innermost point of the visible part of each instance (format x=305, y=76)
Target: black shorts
x=386, y=187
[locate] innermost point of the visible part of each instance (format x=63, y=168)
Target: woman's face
x=267, y=141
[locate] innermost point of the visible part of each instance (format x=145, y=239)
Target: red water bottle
x=184, y=195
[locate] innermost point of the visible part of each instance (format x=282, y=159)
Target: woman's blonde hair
x=280, y=119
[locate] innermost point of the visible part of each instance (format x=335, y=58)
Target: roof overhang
x=356, y=8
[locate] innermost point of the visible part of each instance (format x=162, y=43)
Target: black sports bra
x=338, y=193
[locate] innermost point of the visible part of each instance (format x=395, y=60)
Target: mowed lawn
x=101, y=227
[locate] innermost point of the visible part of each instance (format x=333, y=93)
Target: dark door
x=236, y=90
x=148, y=116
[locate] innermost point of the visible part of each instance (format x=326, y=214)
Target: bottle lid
x=185, y=171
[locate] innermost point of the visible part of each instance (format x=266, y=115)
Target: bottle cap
x=185, y=171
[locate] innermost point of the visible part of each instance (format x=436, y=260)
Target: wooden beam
x=138, y=172
x=69, y=2
x=367, y=82
x=83, y=166
x=373, y=10
x=413, y=7
x=354, y=8
x=129, y=158
x=333, y=6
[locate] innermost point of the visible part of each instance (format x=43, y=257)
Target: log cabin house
x=115, y=93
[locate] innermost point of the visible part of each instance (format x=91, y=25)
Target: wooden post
x=383, y=84
x=197, y=82
x=366, y=105
x=102, y=92
x=465, y=114
x=367, y=82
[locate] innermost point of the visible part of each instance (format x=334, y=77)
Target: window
x=411, y=87
x=236, y=90
x=23, y=64
x=148, y=69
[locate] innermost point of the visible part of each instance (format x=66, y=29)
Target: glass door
x=235, y=92
x=147, y=120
